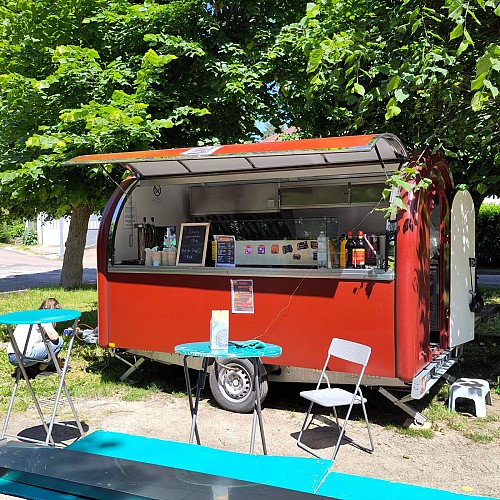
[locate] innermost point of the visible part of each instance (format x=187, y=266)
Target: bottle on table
x=322, y=258
x=359, y=253
x=349, y=248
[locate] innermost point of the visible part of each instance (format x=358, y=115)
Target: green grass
x=411, y=432
x=95, y=372
x=490, y=294
x=83, y=300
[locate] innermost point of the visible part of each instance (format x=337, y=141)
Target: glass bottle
x=359, y=253
x=349, y=247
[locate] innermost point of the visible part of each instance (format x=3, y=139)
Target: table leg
x=63, y=386
x=257, y=412
x=194, y=407
x=22, y=371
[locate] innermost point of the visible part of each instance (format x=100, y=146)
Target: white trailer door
x=463, y=275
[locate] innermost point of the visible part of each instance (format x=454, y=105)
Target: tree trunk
x=478, y=199
x=72, y=268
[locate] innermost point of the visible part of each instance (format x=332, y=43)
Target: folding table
x=39, y=317
x=236, y=349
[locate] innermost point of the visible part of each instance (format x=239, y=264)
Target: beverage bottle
x=359, y=251
x=342, y=251
x=173, y=237
x=349, y=247
x=148, y=235
x=167, y=242
x=322, y=250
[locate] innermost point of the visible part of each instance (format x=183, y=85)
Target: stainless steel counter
x=369, y=274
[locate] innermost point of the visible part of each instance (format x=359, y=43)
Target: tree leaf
x=492, y=88
x=457, y=31
x=315, y=58
x=482, y=188
x=477, y=101
x=312, y=10
x=399, y=203
x=394, y=83
x=468, y=37
x=478, y=82
x=392, y=109
x=462, y=47
x=359, y=89
x=401, y=95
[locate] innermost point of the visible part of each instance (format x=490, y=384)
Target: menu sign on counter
x=225, y=251
x=193, y=244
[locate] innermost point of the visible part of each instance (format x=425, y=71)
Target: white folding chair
x=333, y=396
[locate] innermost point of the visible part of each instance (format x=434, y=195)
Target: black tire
x=231, y=383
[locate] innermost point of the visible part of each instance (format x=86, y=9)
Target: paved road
x=21, y=271
x=489, y=279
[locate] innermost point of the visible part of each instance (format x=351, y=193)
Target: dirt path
x=447, y=461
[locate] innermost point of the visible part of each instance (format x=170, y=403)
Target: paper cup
x=149, y=258
x=156, y=258
x=164, y=258
x=171, y=256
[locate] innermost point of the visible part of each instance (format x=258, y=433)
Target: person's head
x=50, y=303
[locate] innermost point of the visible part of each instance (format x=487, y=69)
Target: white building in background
x=492, y=200
x=53, y=232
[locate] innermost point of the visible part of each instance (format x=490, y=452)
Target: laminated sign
x=219, y=330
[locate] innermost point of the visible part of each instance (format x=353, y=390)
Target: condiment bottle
x=349, y=247
x=359, y=251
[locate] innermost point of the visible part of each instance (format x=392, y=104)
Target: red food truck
x=265, y=204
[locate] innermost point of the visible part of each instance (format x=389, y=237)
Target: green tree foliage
x=92, y=76
x=487, y=230
x=426, y=71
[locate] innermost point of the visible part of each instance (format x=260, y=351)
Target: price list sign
x=242, y=296
x=225, y=251
x=193, y=244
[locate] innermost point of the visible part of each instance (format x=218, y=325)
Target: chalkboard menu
x=193, y=244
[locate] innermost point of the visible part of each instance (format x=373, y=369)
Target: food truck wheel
x=231, y=384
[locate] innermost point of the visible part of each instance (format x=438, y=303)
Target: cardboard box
x=219, y=330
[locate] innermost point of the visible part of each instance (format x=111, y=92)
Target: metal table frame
x=38, y=317
x=235, y=350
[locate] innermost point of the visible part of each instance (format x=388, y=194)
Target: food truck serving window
x=275, y=199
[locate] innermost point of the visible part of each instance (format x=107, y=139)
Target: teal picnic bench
x=112, y=465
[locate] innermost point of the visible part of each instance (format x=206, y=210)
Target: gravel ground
x=447, y=461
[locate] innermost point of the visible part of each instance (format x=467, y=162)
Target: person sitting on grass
x=35, y=356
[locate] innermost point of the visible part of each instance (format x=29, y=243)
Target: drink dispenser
x=141, y=241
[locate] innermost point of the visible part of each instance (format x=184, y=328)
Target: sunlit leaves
x=394, y=83
x=359, y=89
x=392, y=109
x=457, y=31
x=487, y=72
x=312, y=10
x=315, y=58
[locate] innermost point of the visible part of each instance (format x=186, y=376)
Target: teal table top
x=236, y=349
x=37, y=316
